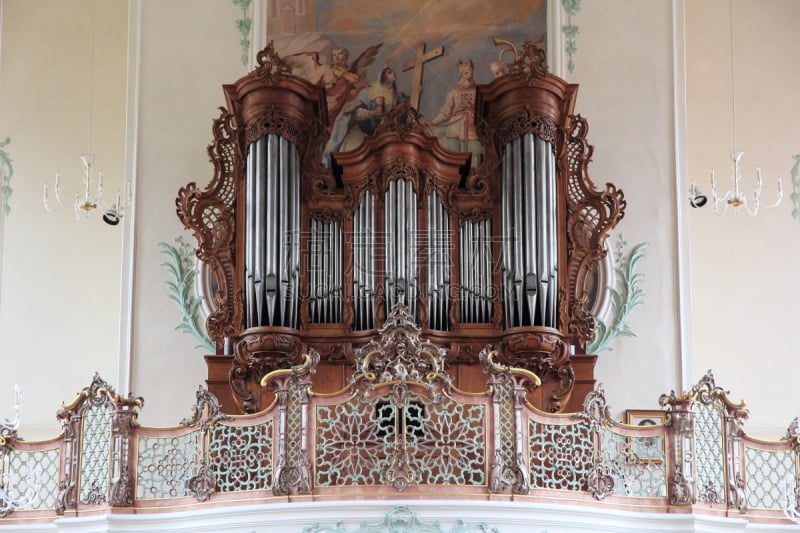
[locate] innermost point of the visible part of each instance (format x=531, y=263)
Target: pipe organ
x=310, y=256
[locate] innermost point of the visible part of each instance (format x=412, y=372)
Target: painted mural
x=372, y=55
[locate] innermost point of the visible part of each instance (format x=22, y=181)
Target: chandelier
x=91, y=196
x=735, y=199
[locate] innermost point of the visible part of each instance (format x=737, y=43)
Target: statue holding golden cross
x=418, y=64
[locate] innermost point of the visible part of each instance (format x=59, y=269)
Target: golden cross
x=417, y=64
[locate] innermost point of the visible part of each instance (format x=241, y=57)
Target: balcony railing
x=401, y=430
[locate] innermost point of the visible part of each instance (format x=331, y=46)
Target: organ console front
x=313, y=255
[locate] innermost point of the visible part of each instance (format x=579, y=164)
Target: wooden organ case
x=309, y=256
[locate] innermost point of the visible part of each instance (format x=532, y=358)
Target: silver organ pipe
x=250, y=237
x=530, y=244
x=438, y=263
x=272, y=232
x=283, y=266
x=475, y=244
x=364, y=263
x=294, y=207
x=400, y=218
x=506, y=209
x=325, y=266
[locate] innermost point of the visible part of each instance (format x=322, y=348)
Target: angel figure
x=342, y=82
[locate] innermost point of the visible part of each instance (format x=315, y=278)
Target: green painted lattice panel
x=447, y=440
x=240, y=458
x=561, y=455
x=165, y=464
x=638, y=464
x=354, y=442
x=767, y=475
x=47, y=462
x=294, y=423
x=708, y=449
x=95, y=454
x=506, y=403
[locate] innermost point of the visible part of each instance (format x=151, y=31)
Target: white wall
x=624, y=66
x=59, y=296
x=744, y=268
x=189, y=48
x=59, y=291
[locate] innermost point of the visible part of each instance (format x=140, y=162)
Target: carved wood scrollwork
x=257, y=354
x=591, y=215
x=546, y=355
x=530, y=62
x=270, y=69
x=527, y=121
x=210, y=215
x=401, y=121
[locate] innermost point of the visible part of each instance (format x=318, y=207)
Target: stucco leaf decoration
x=571, y=7
x=6, y=171
x=179, y=266
x=625, y=297
x=244, y=26
x=401, y=519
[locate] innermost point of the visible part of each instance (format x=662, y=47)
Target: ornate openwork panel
x=561, y=455
x=448, y=440
x=637, y=464
x=95, y=454
x=26, y=467
x=240, y=457
x=504, y=400
x=769, y=474
x=98, y=423
x=709, y=449
x=165, y=465
x=294, y=422
x=354, y=441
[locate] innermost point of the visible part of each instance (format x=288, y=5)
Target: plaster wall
x=744, y=298
x=624, y=66
x=59, y=278
x=188, y=49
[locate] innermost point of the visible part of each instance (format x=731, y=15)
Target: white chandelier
x=735, y=199
x=90, y=198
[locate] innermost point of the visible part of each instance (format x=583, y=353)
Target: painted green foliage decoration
x=180, y=267
x=6, y=171
x=401, y=519
x=572, y=7
x=625, y=297
x=244, y=25
x=796, y=187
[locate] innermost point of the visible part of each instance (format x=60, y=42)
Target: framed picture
x=650, y=449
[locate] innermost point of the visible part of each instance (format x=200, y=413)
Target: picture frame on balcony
x=646, y=449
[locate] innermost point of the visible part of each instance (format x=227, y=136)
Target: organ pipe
x=272, y=229
x=325, y=265
x=438, y=263
x=530, y=243
x=475, y=267
x=364, y=263
x=400, y=217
